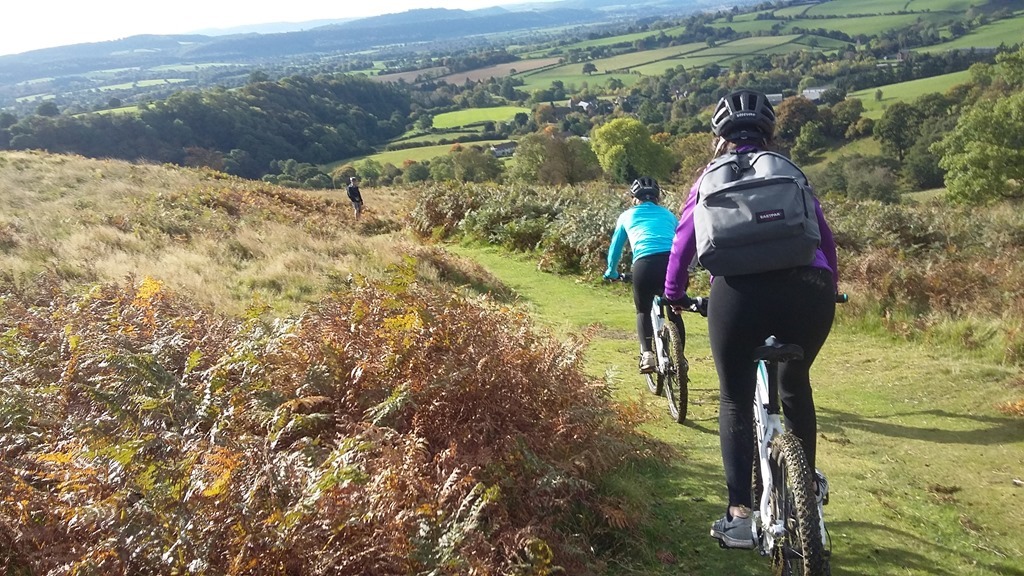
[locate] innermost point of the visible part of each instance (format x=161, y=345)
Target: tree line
x=315, y=119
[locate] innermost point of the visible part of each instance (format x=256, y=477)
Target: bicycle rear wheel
x=677, y=376
x=799, y=551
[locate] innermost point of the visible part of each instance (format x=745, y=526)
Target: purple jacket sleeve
x=827, y=248
x=684, y=250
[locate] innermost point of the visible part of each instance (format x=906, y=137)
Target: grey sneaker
x=648, y=362
x=735, y=533
x=820, y=487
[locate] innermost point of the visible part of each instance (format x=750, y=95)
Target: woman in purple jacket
x=797, y=305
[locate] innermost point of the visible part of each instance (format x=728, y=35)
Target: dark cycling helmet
x=744, y=115
x=645, y=188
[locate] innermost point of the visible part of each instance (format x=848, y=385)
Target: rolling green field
x=905, y=92
x=859, y=7
x=471, y=116
x=190, y=67
x=619, y=39
x=450, y=135
x=791, y=11
x=143, y=83
x=867, y=25
x=573, y=77
x=1007, y=32
x=954, y=5
x=634, y=59
x=397, y=157
x=746, y=26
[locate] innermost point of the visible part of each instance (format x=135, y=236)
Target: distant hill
x=156, y=50
x=247, y=46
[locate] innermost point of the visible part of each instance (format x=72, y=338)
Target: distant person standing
x=355, y=196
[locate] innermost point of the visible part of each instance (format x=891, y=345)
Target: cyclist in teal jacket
x=649, y=228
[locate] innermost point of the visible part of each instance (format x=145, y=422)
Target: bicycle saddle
x=775, y=351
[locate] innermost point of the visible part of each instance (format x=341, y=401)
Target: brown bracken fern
x=392, y=429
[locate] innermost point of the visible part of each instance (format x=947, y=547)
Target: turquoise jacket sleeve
x=615, y=250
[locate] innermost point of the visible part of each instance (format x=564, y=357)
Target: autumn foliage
x=392, y=429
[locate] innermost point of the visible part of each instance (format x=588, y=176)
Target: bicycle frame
x=658, y=322
x=767, y=427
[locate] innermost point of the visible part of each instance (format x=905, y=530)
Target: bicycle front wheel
x=655, y=382
x=677, y=376
x=798, y=552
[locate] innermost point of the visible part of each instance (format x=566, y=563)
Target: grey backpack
x=754, y=213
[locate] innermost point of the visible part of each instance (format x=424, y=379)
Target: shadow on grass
x=991, y=430
x=684, y=498
x=884, y=550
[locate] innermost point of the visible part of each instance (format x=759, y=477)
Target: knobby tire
x=677, y=378
x=799, y=552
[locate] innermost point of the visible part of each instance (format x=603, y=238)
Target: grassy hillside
x=906, y=91
x=189, y=367
x=226, y=242
x=471, y=116
x=210, y=376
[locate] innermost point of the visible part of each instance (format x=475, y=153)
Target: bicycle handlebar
x=699, y=304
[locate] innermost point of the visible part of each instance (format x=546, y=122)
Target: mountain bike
x=670, y=377
x=788, y=524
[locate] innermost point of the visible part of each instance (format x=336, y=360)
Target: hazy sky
x=33, y=24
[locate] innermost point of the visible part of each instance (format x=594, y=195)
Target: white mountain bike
x=670, y=377
x=788, y=522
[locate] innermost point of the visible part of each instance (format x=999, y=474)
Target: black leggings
x=649, y=281
x=797, y=306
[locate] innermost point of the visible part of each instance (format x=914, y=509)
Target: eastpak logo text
x=770, y=216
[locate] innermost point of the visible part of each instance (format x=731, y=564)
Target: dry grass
x=226, y=241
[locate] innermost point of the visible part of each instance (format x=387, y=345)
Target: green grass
x=868, y=25
x=947, y=5
x=905, y=91
x=619, y=39
x=142, y=84
x=450, y=135
x=989, y=36
x=191, y=67
x=864, y=146
x=748, y=26
x=472, y=116
x=689, y=62
x=573, y=78
x=921, y=464
x=397, y=157
x=633, y=59
x=792, y=11
x=854, y=7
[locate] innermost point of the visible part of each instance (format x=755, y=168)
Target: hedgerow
x=392, y=429
x=937, y=272
x=568, y=226
x=928, y=271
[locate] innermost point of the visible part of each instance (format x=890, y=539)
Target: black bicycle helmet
x=744, y=115
x=645, y=188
